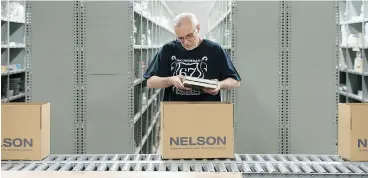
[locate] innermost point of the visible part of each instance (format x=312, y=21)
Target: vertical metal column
x=281, y=79
x=83, y=78
x=8, y=29
x=79, y=78
x=76, y=66
x=28, y=62
x=131, y=75
x=284, y=76
x=287, y=77
x=337, y=72
x=231, y=95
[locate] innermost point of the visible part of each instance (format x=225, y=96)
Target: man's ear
x=199, y=27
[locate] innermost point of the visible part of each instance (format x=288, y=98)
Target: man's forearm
x=158, y=82
x=229, y=84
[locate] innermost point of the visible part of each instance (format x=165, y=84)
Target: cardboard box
x=353, y=131
x=25, y=131
x=191, y=130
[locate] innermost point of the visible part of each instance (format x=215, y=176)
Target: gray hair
x=178, y=19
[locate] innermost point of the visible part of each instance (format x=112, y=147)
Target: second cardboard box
x=353, y=132
x=25, y=131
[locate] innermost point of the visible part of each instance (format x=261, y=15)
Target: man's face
x=187, y=35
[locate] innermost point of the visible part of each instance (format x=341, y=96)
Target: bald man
x=191, y=55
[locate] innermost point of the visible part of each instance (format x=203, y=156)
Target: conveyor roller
x=243, y=163
x=42, y=167
x=54, y=167
x=154, y=157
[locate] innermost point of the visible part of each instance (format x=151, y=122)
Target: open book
x=199, y=83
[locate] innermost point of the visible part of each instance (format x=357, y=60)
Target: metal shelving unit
x=13, y=50
x=270, y=117
x=101, y=104
x=353, y=51
x=151, y=30
x=89, y=63
x=220, y=30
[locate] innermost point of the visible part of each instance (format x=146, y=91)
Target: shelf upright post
x=8, y=50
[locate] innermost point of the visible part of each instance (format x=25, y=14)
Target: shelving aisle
x=219, y=23
x=220, y=30
x=13, y=51
x=151, y=30
x=353, y=61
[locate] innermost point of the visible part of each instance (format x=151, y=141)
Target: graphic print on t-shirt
x=188, y=67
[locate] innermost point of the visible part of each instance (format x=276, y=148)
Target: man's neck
x=200, y=41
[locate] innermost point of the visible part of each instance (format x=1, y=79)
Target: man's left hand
x=213, y=91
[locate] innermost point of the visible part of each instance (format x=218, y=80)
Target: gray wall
x=108, y=46
x=287, y=102
x=200, y=8
x=257, y=62
x=52, y=69
x=313, y=78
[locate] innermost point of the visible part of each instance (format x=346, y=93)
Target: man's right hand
x=176, y=81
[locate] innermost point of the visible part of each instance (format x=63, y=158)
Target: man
x=191, y=55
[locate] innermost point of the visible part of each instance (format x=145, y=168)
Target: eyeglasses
x=189, y=37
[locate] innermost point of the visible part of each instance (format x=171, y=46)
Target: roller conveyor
x=156, y=157
x=250, y=168
x=268, y=164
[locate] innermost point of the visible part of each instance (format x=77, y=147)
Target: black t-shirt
x=208, y=61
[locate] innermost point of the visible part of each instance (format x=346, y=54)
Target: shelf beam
x=153, y=21
x=223, y=16
x=21, y=95
x=144, y=108
x=148, y=133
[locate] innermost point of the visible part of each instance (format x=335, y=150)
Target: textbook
x=199, y=83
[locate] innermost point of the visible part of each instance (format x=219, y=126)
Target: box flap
x=26, y=104
x=44, y=110
x=355, y=104
x=161, y=127
x=35, y=105
x=195, y=102
x=344, y=129
x=359, y=117
x=345, y=114
x=162, y=114
x=45, y=130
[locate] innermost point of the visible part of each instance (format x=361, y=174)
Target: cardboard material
x=25, y=131
x=197, y=130
x=353, y=131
